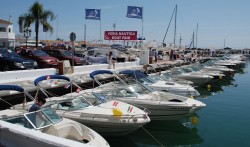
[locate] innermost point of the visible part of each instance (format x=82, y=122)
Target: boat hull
x=158, y=111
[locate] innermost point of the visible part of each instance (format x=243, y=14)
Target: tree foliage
x=36, y=14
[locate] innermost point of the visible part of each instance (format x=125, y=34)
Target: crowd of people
x=185, y=55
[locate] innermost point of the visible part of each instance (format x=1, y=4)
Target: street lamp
x=26, y=34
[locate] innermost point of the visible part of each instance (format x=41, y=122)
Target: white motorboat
x=168, y=77
x=107, y=117
x=196, y=78
x=210, y=66
x=162, y=105
x=224, y=63
x=196, y=70
x=234, y=63
x=48, y=122
x=223, y=69
x=158, y=84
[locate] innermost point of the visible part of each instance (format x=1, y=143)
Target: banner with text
x=120, y=35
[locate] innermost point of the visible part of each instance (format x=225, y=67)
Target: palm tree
x=37, y=15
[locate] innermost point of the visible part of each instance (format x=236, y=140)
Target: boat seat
x=69, y=130
x=59, y=106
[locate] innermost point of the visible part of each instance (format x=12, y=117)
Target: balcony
x=6, y=35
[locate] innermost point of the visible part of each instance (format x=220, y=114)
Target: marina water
x=224, y=122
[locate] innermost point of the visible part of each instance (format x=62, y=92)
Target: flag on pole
x=93, y=14
x=134, y=12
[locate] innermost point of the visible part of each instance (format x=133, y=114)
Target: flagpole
x=100, y=30
x=142, y=28
x=100, y=33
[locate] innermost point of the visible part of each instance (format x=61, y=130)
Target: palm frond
x=48, y=27
x=36, y=10
x=48, y=14
x=36, y=14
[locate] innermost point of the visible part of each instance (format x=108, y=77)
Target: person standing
x=171, y=54
x=156, y=55
x=37, y=105
x=111, y=60
x=174, y=55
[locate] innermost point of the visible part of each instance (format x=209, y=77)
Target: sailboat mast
x=175, y=23
x=180, y=41
x=169, y=24
x=196, y=35
x=193, y=39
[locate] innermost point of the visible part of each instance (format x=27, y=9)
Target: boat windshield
x=42, y=118
x=208, y=63
x=135, y=90
x=101, y=97
x=71, y=104
x=146, y=80
x=177, y=72
x=155, y=78
x=187, y=70
x=37, y=119
x=166, y=77
x=196, y=68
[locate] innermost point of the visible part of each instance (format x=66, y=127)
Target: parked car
x=42, y=58
x=66, y=55
x=10, y=60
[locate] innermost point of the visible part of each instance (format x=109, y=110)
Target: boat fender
x=220, y=77
x=117, y=112
x=208, y=87
x=195, y=120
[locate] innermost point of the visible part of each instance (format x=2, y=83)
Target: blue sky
x=217, y=19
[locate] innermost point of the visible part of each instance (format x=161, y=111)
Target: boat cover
x=137, y=74
x=50, y=77
x=97, y=72
x=11, y=87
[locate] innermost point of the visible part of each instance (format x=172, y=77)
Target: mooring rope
x=151, y=135
x=6, y=102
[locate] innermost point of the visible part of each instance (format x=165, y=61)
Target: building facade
x=7, y=36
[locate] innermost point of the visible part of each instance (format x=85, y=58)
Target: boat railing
x=103, y=116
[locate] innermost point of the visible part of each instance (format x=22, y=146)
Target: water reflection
x=216, y=86
x=168, y=133
x=120, y=141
